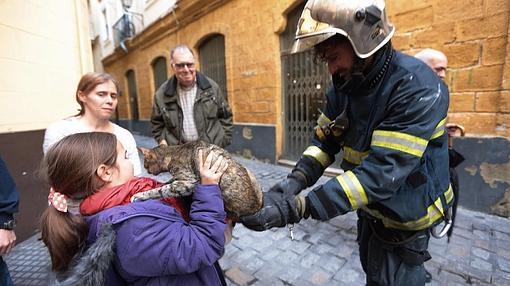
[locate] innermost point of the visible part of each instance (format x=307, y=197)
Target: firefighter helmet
x=363, y=22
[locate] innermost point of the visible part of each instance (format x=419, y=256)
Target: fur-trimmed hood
x=91, y=267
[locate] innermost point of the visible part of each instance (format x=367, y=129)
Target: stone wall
x=474, y=36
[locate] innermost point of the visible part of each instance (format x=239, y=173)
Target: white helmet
x=363, y=22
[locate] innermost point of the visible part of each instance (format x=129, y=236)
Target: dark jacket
x=395, y=151
x=212, y=114
x=153, y=245
x=9, y=196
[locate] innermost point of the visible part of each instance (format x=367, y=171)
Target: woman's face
x=101, y=101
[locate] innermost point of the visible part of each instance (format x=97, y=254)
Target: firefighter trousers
x=389, y=256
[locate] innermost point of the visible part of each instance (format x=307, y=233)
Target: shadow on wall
x=484, y=177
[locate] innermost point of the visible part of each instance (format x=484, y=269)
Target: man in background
x=435, y=59
x=190, y=106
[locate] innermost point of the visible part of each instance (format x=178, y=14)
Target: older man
x=190, y=106
x=435, y=59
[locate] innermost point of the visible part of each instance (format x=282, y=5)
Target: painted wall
x=44, y=50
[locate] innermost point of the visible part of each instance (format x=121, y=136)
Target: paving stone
x=332, y=264
x=459, y=251
x=483, y=254
x=454, y=278
x=504, y=264
x=254, y=265
x=320, y=278
x=309, y=259
x=290, y=275
x=481, y=264
x=485, y=244
x=268, y=281
x=239, y=277
x=501, y=278
x=261, y=244
x=349, y=276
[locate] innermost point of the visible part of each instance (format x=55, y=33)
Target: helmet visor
x=305, y=43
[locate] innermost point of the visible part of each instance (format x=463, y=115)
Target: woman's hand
x=210, y=173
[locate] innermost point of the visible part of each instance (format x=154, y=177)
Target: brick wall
x=474, y=36
x=472, y=33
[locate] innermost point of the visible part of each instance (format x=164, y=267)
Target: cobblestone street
x=323, y=253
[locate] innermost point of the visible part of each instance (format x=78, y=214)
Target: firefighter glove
x=278, y=210
x=292, y=185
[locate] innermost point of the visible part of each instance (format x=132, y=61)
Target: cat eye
x=126, y=155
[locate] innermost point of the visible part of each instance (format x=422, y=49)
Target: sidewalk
x=323, y=253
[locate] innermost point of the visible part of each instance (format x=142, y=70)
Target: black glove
x=292, y=185
x=278, y=210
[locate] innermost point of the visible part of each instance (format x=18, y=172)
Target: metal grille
x=305, y=84
x=212, y=60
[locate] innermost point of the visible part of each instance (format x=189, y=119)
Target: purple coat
x=155, y=246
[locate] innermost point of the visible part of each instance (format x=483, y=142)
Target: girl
x=97, y=96
x=141, y=243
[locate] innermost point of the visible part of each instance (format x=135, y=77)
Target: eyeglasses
x=183, y=65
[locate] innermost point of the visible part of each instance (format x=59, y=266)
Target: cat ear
x=143, y=150
x=104, y=173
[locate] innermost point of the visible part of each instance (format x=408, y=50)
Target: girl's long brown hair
x=70, y=168
x=88, y=82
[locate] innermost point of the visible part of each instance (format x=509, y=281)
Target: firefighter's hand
x=278, y=210
x=289, y=186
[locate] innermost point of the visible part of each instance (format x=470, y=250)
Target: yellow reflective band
x=433, y=214
x=439, y=129
x=323, y=120
x=449, y=194
x=353, y=189
x=399, y=141
x=354, y=157
x=319, y=155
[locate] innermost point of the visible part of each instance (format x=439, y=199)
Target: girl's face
x=124, y=167
x=101, y=101
x=121, y=172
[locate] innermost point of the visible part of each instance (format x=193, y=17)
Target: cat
x=242, y=194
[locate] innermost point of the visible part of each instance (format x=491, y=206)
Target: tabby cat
x=242, y=194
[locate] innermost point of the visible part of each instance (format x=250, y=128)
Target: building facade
x=274, y=95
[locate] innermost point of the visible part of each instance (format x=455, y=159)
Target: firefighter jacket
x=212, y=114
x=395, y=151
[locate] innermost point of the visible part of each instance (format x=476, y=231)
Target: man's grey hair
x=180, y=47
x=426, y=55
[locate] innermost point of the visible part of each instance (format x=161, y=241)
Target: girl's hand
x=210, y=173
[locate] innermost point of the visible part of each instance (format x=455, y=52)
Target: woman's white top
x=60, y=129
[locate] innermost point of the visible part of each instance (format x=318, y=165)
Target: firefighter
x=386, y=111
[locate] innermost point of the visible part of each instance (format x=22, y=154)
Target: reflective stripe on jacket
x=395, y=153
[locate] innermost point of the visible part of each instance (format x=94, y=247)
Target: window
x=212, y=60
x=159, y=71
